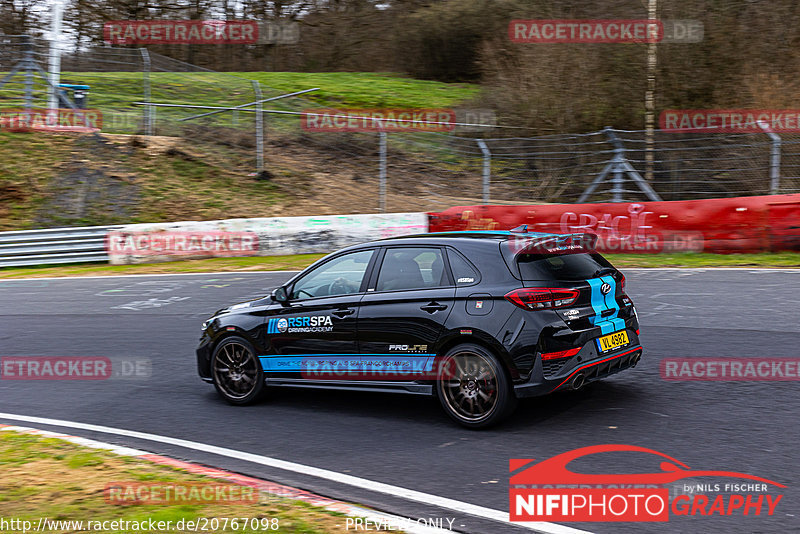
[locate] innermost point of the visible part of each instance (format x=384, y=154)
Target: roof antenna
x=522, y=229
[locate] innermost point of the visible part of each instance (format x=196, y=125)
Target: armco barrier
x=53, y=246
x=743, y=224
x=150, y=242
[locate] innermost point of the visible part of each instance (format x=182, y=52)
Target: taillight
x=622, y=282
x=560, y=354
x=539, y=298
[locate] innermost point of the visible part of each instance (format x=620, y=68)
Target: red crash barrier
x=741, y=224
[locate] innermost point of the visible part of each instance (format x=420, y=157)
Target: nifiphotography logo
x=549, y=491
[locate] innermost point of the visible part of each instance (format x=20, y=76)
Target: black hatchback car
x=478, y=319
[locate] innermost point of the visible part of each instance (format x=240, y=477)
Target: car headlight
x=205, y=325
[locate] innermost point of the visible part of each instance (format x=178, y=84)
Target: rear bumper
x=598, y=368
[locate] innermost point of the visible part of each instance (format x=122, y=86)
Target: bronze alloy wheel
x=472, y=387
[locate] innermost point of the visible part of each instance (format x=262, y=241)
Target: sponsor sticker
x=408, y=348
x=307, y=324
x=552, y=244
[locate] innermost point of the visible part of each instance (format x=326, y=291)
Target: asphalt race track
x=748, y=427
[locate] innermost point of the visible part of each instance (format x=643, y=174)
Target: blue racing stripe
x=611, y=303
x=599, y=305
x=380, y=364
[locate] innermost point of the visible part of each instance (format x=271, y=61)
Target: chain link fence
x=215, y=115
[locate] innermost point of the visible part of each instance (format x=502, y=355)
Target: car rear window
x=559, y=266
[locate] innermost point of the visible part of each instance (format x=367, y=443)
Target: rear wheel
x=473, y=388
x=236, y=371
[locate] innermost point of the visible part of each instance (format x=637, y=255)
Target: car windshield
x=339, y=276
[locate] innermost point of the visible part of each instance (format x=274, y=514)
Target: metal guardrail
x=53, y=246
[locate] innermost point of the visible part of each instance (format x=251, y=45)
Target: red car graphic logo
x=554, y=470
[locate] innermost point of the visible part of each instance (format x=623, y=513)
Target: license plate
x=613, y=341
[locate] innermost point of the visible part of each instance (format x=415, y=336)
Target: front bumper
x=204, y=359
x=586, y=366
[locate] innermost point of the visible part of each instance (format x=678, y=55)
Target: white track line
x=379, y=487
x=101, y=276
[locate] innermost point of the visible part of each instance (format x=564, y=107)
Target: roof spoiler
x=553, y=244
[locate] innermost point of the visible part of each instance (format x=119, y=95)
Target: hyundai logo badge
x=605, y=288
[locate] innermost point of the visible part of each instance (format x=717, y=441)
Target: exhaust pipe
x=578, y=382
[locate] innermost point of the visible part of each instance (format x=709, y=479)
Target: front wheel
x=236, y=371
x=472, y=387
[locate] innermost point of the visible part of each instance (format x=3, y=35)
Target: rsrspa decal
x=307, y=324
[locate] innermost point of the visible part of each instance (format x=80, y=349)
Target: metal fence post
x=382, y=171
x=29, y=66
x=618, y=166
x=775, y=158
x=55, y=54
x=148, y=109
x=487, y=169
x=619, y=156
x=259, y=128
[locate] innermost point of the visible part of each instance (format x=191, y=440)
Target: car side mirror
x=280, y=295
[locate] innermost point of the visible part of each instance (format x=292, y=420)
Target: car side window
x=412, y=268
x=463, y=271
x=339, y=276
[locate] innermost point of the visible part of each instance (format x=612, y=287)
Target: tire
x=473, y=388
x=236, y=371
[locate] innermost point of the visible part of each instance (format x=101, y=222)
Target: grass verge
x=52, y=478
x=257, y=263
x=300, y=261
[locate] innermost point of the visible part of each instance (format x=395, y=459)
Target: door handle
x=433, y=307
x=343, y=313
